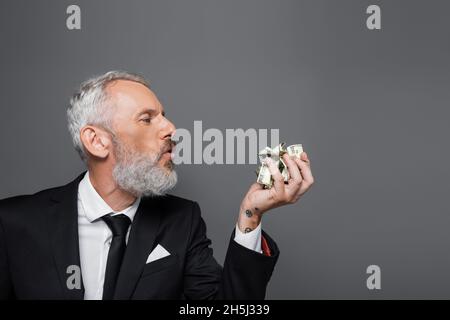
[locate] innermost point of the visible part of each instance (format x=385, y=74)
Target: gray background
x=370, y=107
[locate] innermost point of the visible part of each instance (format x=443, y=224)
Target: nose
x=168, y=129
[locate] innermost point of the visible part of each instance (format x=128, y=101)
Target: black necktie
x=119, y=226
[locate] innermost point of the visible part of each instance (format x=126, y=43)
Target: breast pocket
x=160, y=264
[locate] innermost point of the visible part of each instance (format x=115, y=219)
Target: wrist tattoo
x=247, y=230
x=248, y=213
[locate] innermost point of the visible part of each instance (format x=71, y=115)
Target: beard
x=140, y=174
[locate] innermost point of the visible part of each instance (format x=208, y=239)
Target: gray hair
x=89, y=105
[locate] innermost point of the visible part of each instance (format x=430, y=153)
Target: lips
x=168, y=149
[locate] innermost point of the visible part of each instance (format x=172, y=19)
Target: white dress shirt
x=95, y=236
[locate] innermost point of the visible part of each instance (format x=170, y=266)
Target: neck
x=107, y=188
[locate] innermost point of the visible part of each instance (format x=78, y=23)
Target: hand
x=258, y=200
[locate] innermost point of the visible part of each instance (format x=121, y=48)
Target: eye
x=146, y=120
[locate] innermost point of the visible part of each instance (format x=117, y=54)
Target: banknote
x=263, y=174
x=264, y=177
x=295, y=150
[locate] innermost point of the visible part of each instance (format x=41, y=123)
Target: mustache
x=169, y=145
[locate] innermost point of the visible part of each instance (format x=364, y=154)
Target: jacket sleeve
x=6, y=291
x=245, y=273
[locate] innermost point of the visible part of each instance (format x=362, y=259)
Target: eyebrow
x=151, y=111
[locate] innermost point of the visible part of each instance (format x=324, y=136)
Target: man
x=114, y=233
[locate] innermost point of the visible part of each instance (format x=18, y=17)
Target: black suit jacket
x=39, y=241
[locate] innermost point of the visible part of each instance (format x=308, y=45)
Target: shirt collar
x=95, y=207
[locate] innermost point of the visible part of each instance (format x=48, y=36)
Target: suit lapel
x=63, y=231
x=141, y=240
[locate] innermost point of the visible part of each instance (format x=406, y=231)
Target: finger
x=278, y=182
x=305, y=171
x=304, y=157
x=295, y=183
x=293, y=169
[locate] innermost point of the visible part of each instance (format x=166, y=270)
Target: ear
x=96, y=141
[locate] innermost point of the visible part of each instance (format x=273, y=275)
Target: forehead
x=131, y=97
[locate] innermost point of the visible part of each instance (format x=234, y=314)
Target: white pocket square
x=157, y=253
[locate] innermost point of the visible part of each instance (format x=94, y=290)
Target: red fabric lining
x=265, y=247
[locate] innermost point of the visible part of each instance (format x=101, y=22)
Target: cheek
x=147, y=141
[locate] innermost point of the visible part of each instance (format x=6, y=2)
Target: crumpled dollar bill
x=276, y=154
